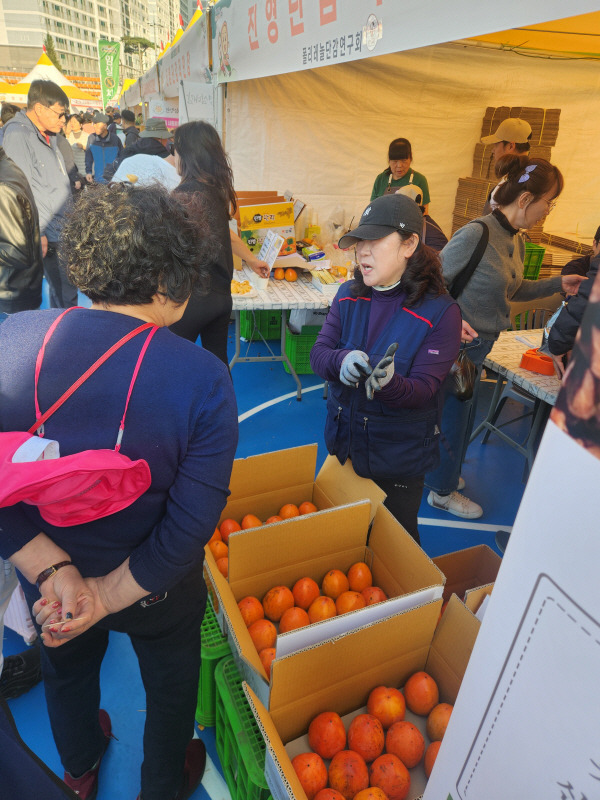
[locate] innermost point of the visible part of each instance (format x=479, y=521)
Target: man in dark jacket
x=153, y=141
x=563, y=332
x=102, y=150
x=130, y=132
x=30, y=140
x=581, y=265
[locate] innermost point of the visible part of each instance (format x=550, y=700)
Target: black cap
x=101, y=118
x=386, y=214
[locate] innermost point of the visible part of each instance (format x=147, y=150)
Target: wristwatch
x=47, y=573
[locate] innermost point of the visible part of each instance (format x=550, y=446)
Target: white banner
x=197, y=102
x=165, y=109
x=255, y=38
x=149, y=85
x=186, y=60
x=133, y=95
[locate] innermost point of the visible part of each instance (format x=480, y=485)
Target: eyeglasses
x=62, y=115
x=551, y=204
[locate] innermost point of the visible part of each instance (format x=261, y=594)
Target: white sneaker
x=456, y=504
x=461, y=484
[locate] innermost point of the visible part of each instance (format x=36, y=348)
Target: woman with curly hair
x=383, y=406
x=207, y=180
x=137, y=254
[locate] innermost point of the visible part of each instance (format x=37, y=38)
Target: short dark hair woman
x=383, y=413
x=399, y=173
x=207, y=178
x=137, y=254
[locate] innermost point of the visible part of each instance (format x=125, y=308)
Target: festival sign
x=165, y=109
x=197, y=102
x=256, y=38
x=108, y=55
x=187, y=60
x=149, y=83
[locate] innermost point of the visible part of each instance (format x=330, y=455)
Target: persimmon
x=366, y=736
x=274, y=518
x=218, y=549
x=322, y=607
x=291, y=275
x=305, y=590
x=288, y=511
x=387, y=704
x=307, y=507
x=329, y=794
x=359, y=576
x=406, y=741
x=223, y=566
x=371, y=793
x=348, y=773
x=227, y=527
x=327, y=734
x=251, y=521
x=251, y=609
x=312, y=773
x=278, y=273
x=430, y=757
x=421, y=693
x=263, y=633
x=276, y=601
x=373, y=594
x=349, y=601
x=293, y=618
x=334, y=583
x=216, y=537
x=438, y=720
x=391, y=776
x=266, y=655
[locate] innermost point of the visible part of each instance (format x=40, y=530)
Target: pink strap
x=41, y=418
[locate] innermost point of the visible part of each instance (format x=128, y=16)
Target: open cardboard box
x=475, y=597
x=280, y=554
x=468, y=569
x=338, y=675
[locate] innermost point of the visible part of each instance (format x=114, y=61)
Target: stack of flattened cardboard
x=544, y=122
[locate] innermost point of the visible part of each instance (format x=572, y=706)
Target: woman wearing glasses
x=527, y=192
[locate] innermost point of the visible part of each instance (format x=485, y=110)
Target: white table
x=281, y=296
x=505, y=360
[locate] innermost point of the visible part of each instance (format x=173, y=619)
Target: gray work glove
x=354, y=367
x=382, y=373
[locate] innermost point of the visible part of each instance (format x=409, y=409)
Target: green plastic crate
x=253, y=323
x=534, y=255
x=298, y=347
x=240, y=745
x=214, y=647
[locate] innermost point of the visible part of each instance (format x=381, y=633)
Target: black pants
x=403, y=501
x=62, y=292
x=207, y=316
x=166, y=640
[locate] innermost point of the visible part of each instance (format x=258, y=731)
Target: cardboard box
x=475, y=597
x=338, y=675
x=280, y=554
x=256, y=218
x=468, y=569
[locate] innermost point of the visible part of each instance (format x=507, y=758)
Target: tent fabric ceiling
x=324, y=133
x=574, y=36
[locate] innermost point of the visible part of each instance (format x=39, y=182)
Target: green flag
x=108, y=53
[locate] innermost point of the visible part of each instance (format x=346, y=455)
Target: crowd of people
x=138, y=221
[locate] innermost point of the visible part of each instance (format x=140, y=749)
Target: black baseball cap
x=386, y=214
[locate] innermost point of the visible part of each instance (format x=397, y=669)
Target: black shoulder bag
x=464, y=372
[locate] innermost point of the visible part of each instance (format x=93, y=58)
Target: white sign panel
x=186, y=60
x=165, y=109
x=149, y=83
x=255, y=38
x=196, y=102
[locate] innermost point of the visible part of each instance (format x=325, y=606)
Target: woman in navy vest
x=384, y=404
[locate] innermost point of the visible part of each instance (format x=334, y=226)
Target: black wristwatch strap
x=47, y=573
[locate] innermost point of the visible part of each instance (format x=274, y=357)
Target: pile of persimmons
x=218, y=542
x=371, y=759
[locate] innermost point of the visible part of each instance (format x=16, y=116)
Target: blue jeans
x=457, y=423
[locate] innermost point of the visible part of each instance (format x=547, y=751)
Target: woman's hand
x=559, y=366
x=571, y=284
x=67, y=607
x=468, y=333
x=260, y=267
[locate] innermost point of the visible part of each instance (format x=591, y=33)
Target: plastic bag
x=333, y=229
x=463, y=374
x=545, y=335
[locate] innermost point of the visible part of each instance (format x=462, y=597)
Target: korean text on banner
x=186, y=60
x=165, y=109
x=256, y=38
x=196, y=102
x=108, y=55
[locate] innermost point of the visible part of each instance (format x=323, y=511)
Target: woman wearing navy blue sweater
x=383, y=407
x=137, y=254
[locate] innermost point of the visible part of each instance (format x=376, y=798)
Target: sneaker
x=455, y=503
x=87, y=785
x=461, y=484
x=21, y=672
x=193, y=769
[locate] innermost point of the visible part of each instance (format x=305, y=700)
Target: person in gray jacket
x=30, y=140
x=527, y=193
